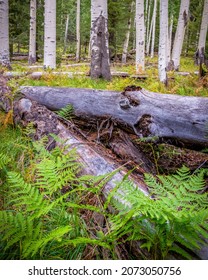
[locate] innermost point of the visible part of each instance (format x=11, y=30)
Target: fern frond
x=66, y=112
x=33, y=247
x=174, y=213
x=4, y=160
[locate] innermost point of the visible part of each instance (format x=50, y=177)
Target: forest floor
x=90, y=230
x=73, y=74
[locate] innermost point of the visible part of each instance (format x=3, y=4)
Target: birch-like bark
x=180, y=32
x=78, y=31
x=148, y=40
x=50, y=34
x=203, y=32
x=66, y=33
x=140, y=37
x=32, y=42
x=126, y=42
x=153, y=29
x=170, y=37
x=147, y=25
x=99, y=44
x=162, y=57
x=4, y=33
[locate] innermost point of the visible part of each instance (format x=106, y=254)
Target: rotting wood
x=92, y=157
x=45, y=122
x=95, y=159
x=182, y=119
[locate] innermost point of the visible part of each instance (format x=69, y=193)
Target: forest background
x=46, y=210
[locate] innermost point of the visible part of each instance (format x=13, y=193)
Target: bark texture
x=203, y=34
x=126, y=42
x=100, y=63
x=163, y=41
x=66, y=33
x=50, y=34
x=4, y=33
x=78, y=31
x=146, y=114
x=153, y=28
x=32, y=43
x=140, y=37
x=180, y=32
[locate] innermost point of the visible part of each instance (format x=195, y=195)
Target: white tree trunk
x=32, y=43
x=99, y=44
x=180, y=32
x=140, y=37
x=66, y=33
x=78, y=31
x=153, y=28
x=148, y=40
x=203, y=30
x=4, y=33
x=147, y=23
x=50, y=34
x=126, y=42
x=170, y=37
x=162, y=57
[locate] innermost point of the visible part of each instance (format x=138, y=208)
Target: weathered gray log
x=46, y=122
x=145, y=113
x=92, y=162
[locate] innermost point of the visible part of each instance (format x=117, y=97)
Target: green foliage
x=66, y=112
x=46, y=207
x=172, y=219
x=40, y=219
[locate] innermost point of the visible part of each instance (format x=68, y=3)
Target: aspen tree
x=78, y=31
x=4, y=33
x=99, y=44
x=50, y=34
x=203, y=32
x=180, y=32
x=140, y=37
x=32, y=42
x=163, y=41
x=126, y=42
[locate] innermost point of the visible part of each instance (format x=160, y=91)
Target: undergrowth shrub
x=173, y=219
x=47, y=207
x=39, y=219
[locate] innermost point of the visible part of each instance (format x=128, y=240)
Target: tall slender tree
x=203, y=32
x=140, y=37
x=100, y=62
x=4, y=33
x=163, y=41
x=153, y=28
x=126, y=41
x=180, y=32
x=50, y=34
x=170, y=31
x=66, y=32
x=32, y=43
x=78, y=31
x=147, y=20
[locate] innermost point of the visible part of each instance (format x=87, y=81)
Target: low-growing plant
x=40, y=218
x=172, y=219
x=47, y=207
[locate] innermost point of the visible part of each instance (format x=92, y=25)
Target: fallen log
x=94, y=159
x=181, y=119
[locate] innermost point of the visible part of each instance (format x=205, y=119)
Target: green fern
x=39, y=219
x=173, y=218
x=66, y=112
x=4, y=160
